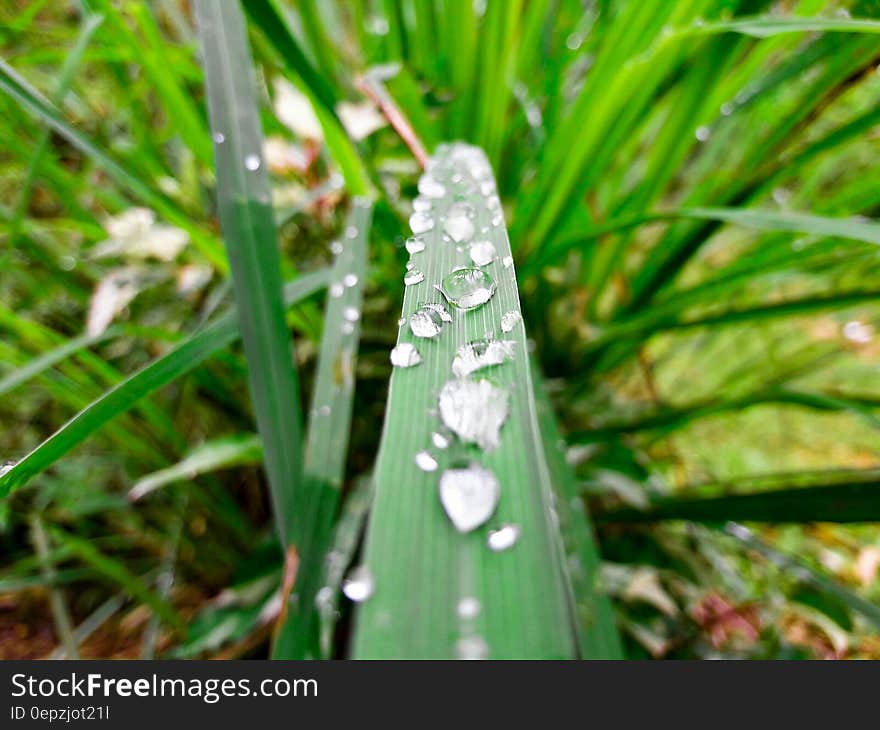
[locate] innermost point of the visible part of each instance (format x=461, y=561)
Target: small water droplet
x=421, y=222
x=6, y=466
x=467, y=288
x=336, y=248
x=468, y=608
x=415, y=244
x=422, y=204
x=252, y=162
x=405, y=355
x=219, y=137
x=497, y=220
x=503, y=538
x=458, y=224
x=336, y=290
x=431, y=188
x=425, y=323
x=858, y=332
x=351, y=232
x=413, y=276
x=482, y=253
x=487, y=188
x=475, y=410
x=359, y=585
x=425, y=461
x=507, y=262
x=726, y=109
x=350, y=280
x=440, y=440
x=469, y=496
x=401, y=321
x=348, y=328
x=324, y=410
x=509, y=320
x=480, y=354
x=702, y=133
x=351, y=314
x=472, y=648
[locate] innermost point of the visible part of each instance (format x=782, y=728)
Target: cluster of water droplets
x=472, y=409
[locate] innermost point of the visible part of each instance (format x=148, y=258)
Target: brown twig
x=375, y=92
x=291, y=567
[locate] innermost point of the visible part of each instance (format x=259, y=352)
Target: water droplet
x=482, y=253
x=468, y=608
x=324, y=599
x=350, y=280
x=487, y=187
x=336, y=248
x=324, y=410
x=726, y=109
x=472, y=647
x=702, y=133
x=475, y=410
x=219, y=137
x=481, y=354
x=440, y=440
x=467, y=288
x=503, y=538
x=6, y=466
x=469, y=496
x=421, y=222
x=351, y=314
x=336, y=290
x=507, y=262
x=425, y=461
x=405, y=355
x=359, y=585
x=252, y=162
x=497, y=220
x=431, y=188
x=401, y=321
x=415, y=244
x=426, y=323
x=440, y=310
x=413, y=276
x=858, y=332
x=509, y=320
x=351, y=232
x=422, y=204
x=458, y=224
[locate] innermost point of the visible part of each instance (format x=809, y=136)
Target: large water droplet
x=252, y=162
x=503, y=538
x=405, y=355
x=458, y=224
x=468, y=608
x=425, y=461
x=421, y=222
x=482, y=253
x=481, y=354
x=431, y=188
x=472, y=647
x=467, y=288
x=413, y=276
x=509, y=320
x=426, y=322
x=475, y=410
x=359, y=585
x=469, y=496
x=415, y=244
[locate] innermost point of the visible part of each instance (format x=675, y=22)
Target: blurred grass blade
x=855, y=501
x=31, y=100
x=115, y=571
x=516, y=601
x=598, y=634
x=220, y=453
x=91, y=623
x=326, y=448
x=247, y=220
x=804, y=572
x=57, y=602
x=179, y=361
x=764, y=26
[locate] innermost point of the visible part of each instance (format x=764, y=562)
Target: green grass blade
x=117, y=572
x=764, y=26
x=855, y=501
x=179, y=361
x=220, y=453
x=423, y=567
x=598, y=635
x=255, y=261
x=326, y=447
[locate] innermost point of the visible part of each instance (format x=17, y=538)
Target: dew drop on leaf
x=468, y=608
x=482, y=253
x=472, y=647
x=509, y=320
x=467, y=288
x=469, y=496
x=252, y=162
x=503, y=538
x=415, y=244
x=413, y=276
x=421, y=222
x=481, y=354
x=425, y=461
x=405, y=355
x=359, y=585
x=475, y=410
